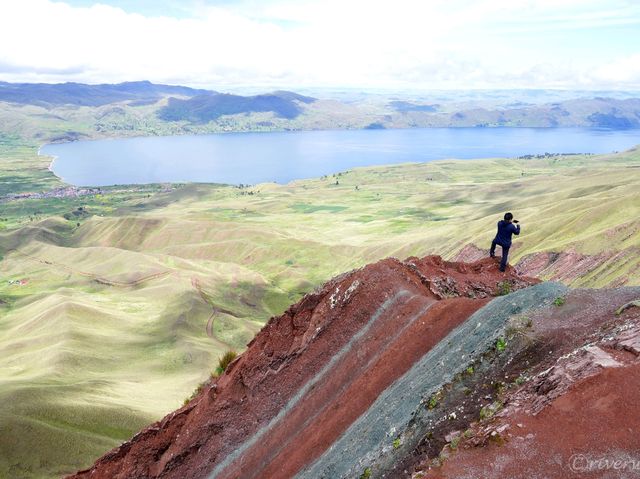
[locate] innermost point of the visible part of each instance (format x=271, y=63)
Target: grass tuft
x=488, y=411
x=504, y=288
x=435, y=399
x=559, y=301
x=223, y=363
x=454, y=443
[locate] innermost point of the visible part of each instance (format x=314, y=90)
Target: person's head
x=508, y=217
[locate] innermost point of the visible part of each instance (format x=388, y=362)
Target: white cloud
x=623, y=70
x=375, y=43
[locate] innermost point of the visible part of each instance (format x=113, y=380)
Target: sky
x=363, y=44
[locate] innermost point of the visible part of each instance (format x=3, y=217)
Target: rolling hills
x=40, y=113
x=209, y=107
x=110, y=318
x=80, y=94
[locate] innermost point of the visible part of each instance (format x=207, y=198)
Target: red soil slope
x=310, y=372
x=578, y=416
x=596, y=421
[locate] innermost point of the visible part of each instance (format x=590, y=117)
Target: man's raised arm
x=516, y=229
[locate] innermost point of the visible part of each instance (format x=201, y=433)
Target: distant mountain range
x=81, y=94
x=587, y=112
x=408, y=106
x=201, y=106
x=207, y=107
x=113, y=110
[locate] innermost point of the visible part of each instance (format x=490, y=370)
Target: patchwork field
x=114, y=305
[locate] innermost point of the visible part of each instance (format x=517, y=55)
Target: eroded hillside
x=390, y=370
x=312, y=373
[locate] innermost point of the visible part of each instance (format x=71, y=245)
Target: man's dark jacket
x=505, y=231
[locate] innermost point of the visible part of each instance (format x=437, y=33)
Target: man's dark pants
x=505, y=254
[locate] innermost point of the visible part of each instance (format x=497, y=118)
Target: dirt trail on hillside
x=311, y=372
x=95, y=277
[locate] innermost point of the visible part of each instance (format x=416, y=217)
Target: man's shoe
x=502, y=270
x=491, y=255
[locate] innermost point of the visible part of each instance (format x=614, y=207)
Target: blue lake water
x=251, y=158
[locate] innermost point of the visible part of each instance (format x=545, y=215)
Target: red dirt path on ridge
x=310, y=372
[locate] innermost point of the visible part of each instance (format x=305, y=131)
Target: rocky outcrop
x=610, y=267
x=415, y=368
x=570, y=407
x=311, y=375
x=396, y=422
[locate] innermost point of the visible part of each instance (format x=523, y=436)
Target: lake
x=280, y=157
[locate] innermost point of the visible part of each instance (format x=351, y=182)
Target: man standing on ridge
x=506, y=228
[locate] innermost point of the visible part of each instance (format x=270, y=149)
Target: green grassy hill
x=111, y=314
